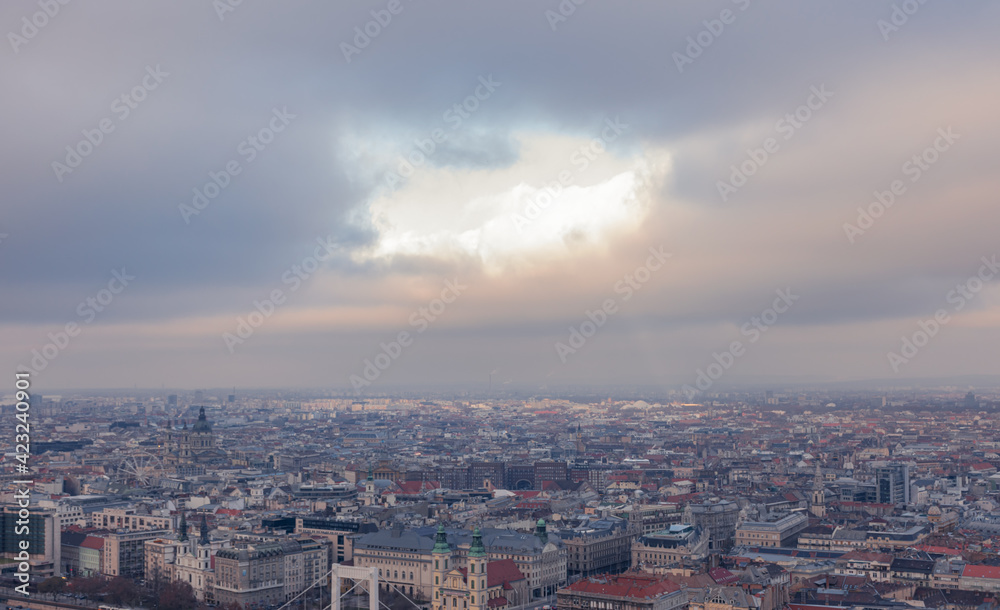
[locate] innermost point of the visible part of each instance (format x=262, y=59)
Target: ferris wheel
x=139, y=468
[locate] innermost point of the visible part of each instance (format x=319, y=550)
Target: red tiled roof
x=977, y=571
x=92, y=542
x=502, y=571
x=497, y=602
x=722, y=575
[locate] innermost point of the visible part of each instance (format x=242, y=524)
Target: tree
x=88, y=586
x=122, y=591
x=177, y=596
x=54, y=584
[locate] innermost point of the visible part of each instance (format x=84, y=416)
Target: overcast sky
x=175, y=163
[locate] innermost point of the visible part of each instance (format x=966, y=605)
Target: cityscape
x=755, y=501
x=510, y=305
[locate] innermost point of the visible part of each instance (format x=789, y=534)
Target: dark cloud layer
x=222, y=80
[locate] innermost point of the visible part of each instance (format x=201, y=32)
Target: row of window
x=395, y=574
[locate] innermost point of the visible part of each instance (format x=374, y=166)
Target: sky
x=386, y=193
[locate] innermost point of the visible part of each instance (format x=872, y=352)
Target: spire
x=203, y=538
x=441, y=541
x=182, y=533
x=818, y=479
x=371, y=473
x=541, y=533
x=477, y=549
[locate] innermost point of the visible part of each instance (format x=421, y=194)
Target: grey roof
x=421, y=539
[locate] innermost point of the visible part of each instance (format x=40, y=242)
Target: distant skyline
x=710, y=195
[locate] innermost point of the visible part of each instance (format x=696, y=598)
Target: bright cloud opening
x=563, y=194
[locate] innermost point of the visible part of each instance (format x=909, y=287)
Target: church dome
x=202, y=424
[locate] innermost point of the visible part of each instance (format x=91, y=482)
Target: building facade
x=676, y=545
x=781, y=532
x=718, y=519
x=404, y=556
x=128, y=519
x=596, y=546
x=622, y=592
x=124, y=552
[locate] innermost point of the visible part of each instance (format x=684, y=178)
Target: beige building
x=193, y=565
x=476, y=586
x=782, y=532
x=596, y=546
x=128, y=519
x=159, y=555
x=404, y=560
x=718, y=519
x=270, y=572
x=254, y=574
x=679, y=544
x=124, y=552
x=649, y=518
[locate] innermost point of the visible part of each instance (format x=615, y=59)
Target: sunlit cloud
x=563, y=194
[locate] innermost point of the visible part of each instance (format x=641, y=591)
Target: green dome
x=477, y=549
x=441, y=541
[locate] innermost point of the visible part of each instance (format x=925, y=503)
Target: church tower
x=369, y=495
x=182, y=529
x=478, y=592
x=442, y=555
x=818, y=505
x=541, y=532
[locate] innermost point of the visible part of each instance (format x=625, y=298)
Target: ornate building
x=192, y=446
x=414, y=561
x=481, y=585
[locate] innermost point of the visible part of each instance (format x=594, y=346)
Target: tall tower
x=203, y=533
x=369, y=498
x=818, y=504
x=541, y=532
x=478, y=592
x=441, y=553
